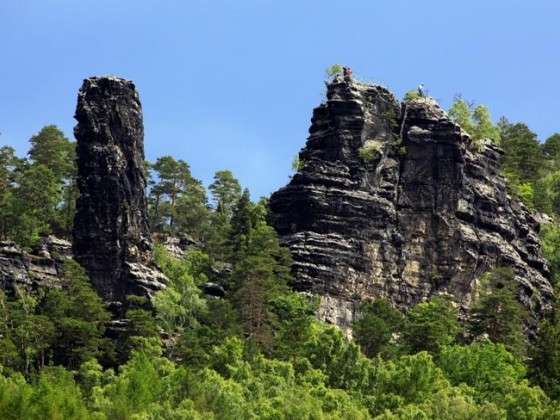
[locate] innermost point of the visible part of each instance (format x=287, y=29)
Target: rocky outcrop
x=111, y=236
x=393, y=200
x=33, y=270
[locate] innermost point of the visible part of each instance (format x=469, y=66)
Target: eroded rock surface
x=111, y=236
x=394, y=201
x=32, y=270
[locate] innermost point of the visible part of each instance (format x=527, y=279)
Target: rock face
x=393, y=200
x=33, y=270
x=111, y=236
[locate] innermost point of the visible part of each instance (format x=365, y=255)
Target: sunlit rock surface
x=392, y=200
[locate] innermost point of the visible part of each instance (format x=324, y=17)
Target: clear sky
x=232, y=83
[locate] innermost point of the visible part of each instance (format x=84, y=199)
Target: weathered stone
x=32, y=270
x=180, y=245
x=421, y=213
x=111, y=236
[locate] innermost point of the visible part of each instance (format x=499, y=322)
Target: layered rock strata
x=39, y=268
x=111, y=235
x=395, y=200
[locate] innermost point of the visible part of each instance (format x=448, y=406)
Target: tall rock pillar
x=111, y=235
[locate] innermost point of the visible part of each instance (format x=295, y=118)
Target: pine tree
x=375, y=330
x=544, y=361
x=523, y=159
x=52, y=149
x=497, y=313
x=431, y=325
x=79, y=316
x=226, y=192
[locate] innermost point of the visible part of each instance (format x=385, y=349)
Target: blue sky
x=232, y=83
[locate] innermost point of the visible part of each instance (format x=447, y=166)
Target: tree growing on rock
x=475, y=120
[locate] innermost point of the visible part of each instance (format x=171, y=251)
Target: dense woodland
x=259, y=352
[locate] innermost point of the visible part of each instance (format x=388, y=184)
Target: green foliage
x=54, y=396
x=411, y=95
x=34, y=201
x=64, y=326
x=226, y=191
x=408, y=380
x=334, y=70
x=497, y=313
x=177, y=201
x=79, y=317
x=525, y=192
x=259, y=351
x=376, y=329
x=551, y=150
x=476, y=121
x=430, y=325
x=523, y=159
x=37, y=196
x=371, y=150
x=550, y=240
x=297, y=163
x=547, y=193
x=179, y=303
x=484, y=128
x=545, y=357
x=52, y=149
x=485, y=366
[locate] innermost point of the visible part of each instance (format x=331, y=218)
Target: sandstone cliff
x=111, y=236
x=32, y=270
x=392, y=200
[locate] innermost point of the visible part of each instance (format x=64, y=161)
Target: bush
x=371, y=150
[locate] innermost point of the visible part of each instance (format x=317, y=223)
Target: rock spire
x=111, y=235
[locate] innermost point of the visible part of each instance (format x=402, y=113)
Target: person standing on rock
x=347, y=73
x=421, y=90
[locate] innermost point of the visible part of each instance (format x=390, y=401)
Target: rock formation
x=111, y=236
x=395, y=201
x=32, y=270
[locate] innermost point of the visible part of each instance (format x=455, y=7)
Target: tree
x=35, y=203
x=241, y=225
x=376, y=328
x=544, y=361
x=193, y=214
x=9, y=162
x=180, y=303
x=487, y=367
x=411, y=95
x=547, y=193
x=52, y=149
x=79, y=317
x=9, y=166
x=461, y=113
x=477, y=122
x=226, y=192
x=484, y=128
x=24, y=331
x=523, y=159
x=431, y=325
x=292, y=321
x=334, y=70
x=550, y=240
x=173, y=177
x=551, y=150
x=497, y=313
